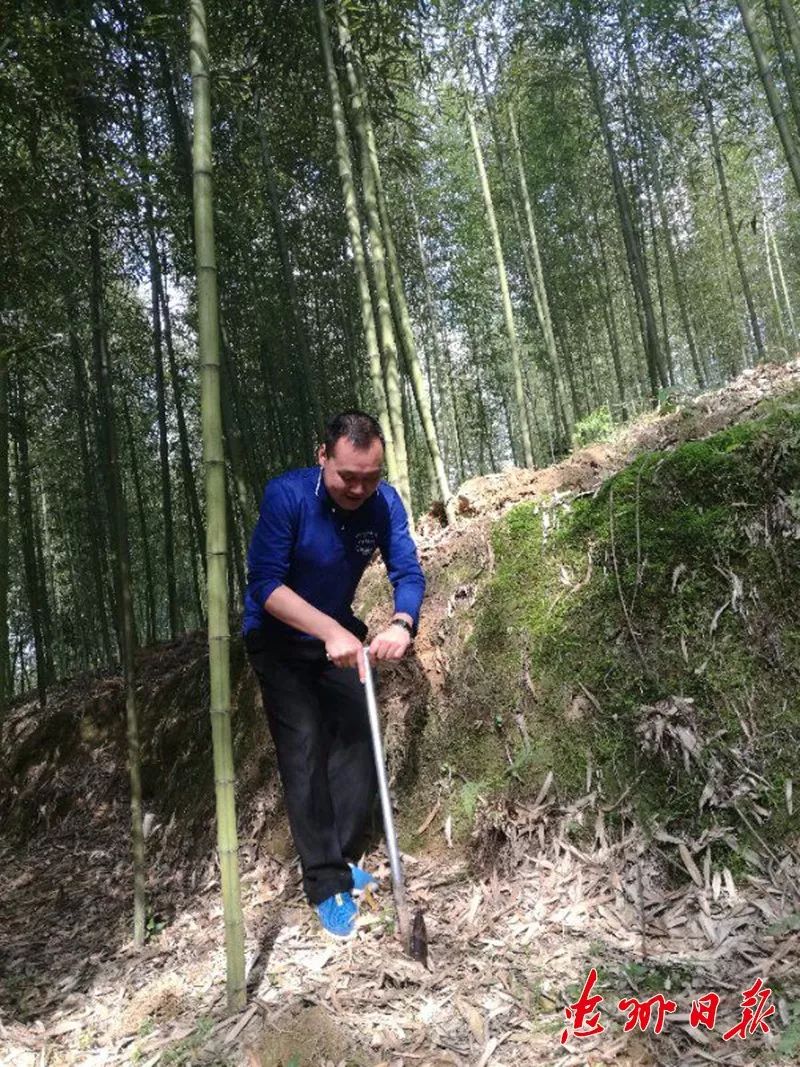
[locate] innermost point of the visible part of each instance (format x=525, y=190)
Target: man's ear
x=322, y=454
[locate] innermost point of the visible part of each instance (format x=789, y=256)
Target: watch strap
x=405, y=624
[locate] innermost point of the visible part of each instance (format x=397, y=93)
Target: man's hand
x=345, y=650
x=390, y=643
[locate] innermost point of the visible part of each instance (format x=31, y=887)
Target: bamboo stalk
x=377, y=255
x=216, y=532
x=356, y=244
x=505, y=293
x=396, y=290
x=771, y=90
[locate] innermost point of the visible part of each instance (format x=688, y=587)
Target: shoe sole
x=340, y=937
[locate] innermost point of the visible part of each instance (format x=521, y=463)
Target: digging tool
x=413, y=934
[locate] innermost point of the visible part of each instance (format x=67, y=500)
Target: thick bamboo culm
x=216, y=529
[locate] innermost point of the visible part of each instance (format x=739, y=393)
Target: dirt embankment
x=691, y=420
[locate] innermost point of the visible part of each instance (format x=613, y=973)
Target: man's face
x=351, y=474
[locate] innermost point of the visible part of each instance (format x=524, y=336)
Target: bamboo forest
x=553, y=249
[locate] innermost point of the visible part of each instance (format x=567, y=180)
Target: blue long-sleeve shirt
x=304, y=541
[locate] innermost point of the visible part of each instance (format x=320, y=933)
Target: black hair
x=359, y=428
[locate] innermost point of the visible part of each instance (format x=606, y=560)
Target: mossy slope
x=649, y=634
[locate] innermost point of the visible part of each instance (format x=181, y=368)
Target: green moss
x=679, y=579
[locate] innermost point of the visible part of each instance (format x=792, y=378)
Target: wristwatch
x=405, y=624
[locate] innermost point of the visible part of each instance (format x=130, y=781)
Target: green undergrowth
x=646, y=639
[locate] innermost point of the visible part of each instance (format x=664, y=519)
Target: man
x=317, y=530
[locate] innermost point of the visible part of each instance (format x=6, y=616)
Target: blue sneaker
x=362, y=880
x=338, y=916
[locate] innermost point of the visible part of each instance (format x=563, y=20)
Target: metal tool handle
x=395, y=864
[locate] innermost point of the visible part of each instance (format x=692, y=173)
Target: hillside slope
x=593, y=756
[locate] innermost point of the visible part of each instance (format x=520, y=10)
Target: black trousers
x=317, y=715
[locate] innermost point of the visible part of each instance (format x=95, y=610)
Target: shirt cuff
x=408, y=604
x=262, y=590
